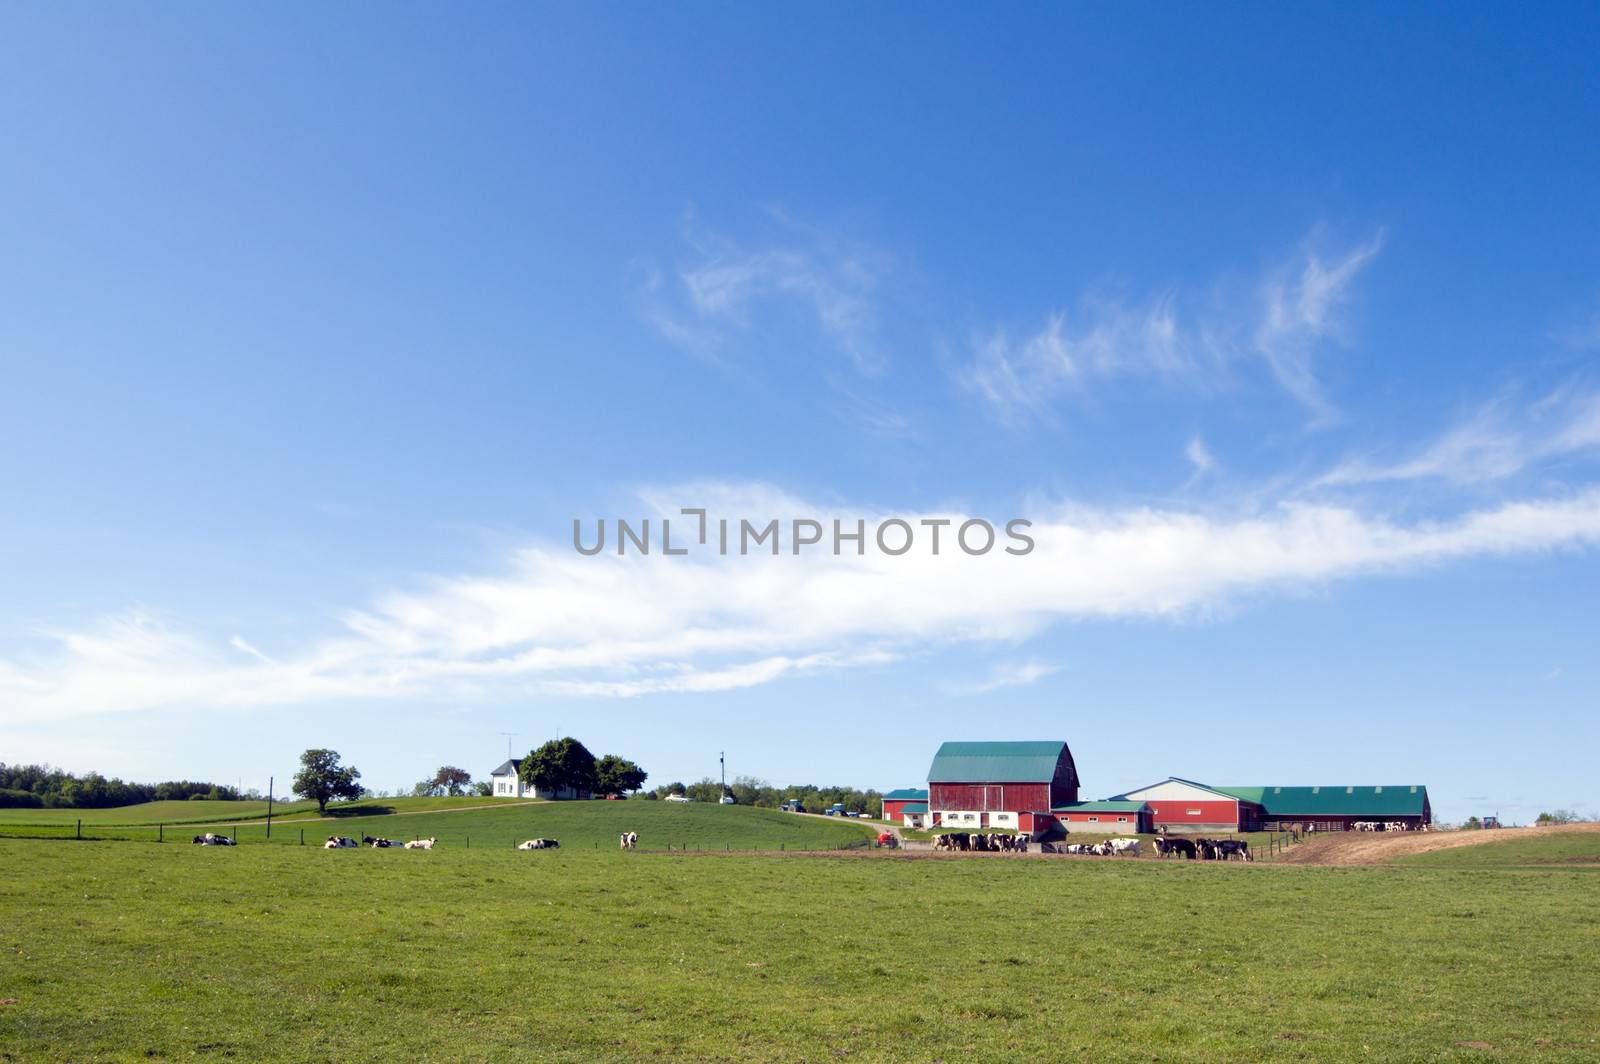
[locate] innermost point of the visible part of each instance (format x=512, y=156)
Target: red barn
x=905, y=800
x=1184, y=805
x=999, y=784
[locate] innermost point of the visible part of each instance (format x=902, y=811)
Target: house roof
x=1110, y=805
x=507, y=769
x=1404, y=800
x=914, y=807
x=1218, y=791
x=913, y=794
x=1025, y=762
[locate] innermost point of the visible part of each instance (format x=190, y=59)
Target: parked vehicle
x=793, y=805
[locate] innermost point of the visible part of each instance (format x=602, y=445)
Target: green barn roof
x=1404, y=800
x=907, y=794
x=1030, y=762
x=914, y=807
x=1110, y=805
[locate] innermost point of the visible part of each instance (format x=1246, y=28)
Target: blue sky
x=319, y=327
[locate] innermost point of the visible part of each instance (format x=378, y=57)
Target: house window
x=1122, y=820
x=1094, y=820
x=1193, y=812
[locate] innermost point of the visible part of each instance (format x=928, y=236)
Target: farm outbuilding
x=898, y=802
x=1003, y=785
x=1184, y=805
x=1109, y=815
x=1338, y=808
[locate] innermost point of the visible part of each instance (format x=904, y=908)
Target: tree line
x=43, y=787
x=749, y=790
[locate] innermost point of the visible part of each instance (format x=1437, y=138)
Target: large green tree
x=321, y=778
x=618, y=775
x=557, y=764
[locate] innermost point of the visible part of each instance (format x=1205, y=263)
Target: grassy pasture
x=490, y=824
x=130, y=952
x=208, y=812
x=1519, y=849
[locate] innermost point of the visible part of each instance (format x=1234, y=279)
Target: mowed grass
x=119, y=951
x=491, y=824
x=1519, y=849
x=208, y=812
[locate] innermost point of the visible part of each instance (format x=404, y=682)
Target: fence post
x=302, y=836
x=80, y=829
x=161, y=833
x=469, y=842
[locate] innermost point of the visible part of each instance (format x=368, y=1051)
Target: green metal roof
x=1110, y=805
x=914, y=794
x=1403, y=800
x=914, y=807
x=1030, y=762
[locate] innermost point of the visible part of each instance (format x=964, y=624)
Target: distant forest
x=43, y=787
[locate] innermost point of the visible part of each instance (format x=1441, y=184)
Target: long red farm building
x=1033, y=786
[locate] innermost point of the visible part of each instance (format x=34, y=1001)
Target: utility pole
x=270, y=781
x=722, y=761
x=509, y=736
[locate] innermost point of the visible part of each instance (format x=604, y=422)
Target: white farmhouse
x=507, y=785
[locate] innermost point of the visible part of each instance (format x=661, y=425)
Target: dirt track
x=1350, y=848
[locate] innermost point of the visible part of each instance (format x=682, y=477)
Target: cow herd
x=1380, y=825
x=1108, y=848
x=1202, y=849
x=983, y=842
x=1189, y=849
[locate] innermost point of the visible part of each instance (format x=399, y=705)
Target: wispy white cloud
x=1008, y=674
x=1199, y=456
x=731, y=294
x=1192, y=342
x=1498, y=439
x=550, y=622
x=1302, y=309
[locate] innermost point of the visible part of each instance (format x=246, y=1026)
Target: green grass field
x=1515, y=849
x=149, y=814
x=486, y=823
x=131, y=951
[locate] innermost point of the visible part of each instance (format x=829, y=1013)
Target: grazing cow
x=1183, y=847
x=1233, y=849
x=1205, y=849
x=421, y=844
x=1122, y=846
x=1162, y=847
x=1021, y=843
x=210, y=839
x=339, y=842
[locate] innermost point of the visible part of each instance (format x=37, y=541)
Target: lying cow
x=421, y=844
x=209, y=839
x=538, y=844
x=382, y=844
x=340, y=842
